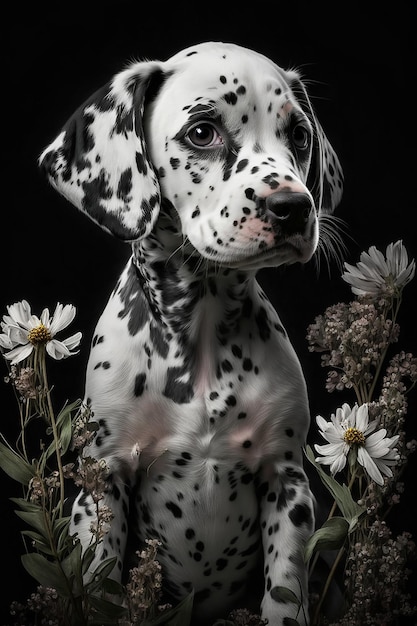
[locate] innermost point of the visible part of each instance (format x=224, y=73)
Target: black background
x=357, y=62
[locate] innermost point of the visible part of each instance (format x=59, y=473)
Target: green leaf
x=112, y=587
x=64, y=424
x=179, y=615
x=66, y=411
x=40, y=543
x=46, y=572
x=105, y=568
x=330, y=536
x=15, y=466
x=26, y=505
x=351, y=511
x=60, y=529
x=283, y=594
x=65, y=436
x=107, y=611
x=88, y=558
x=101, y=573
x=36, y=519
x=64, y=429
x=51, y=449
x=72, y=563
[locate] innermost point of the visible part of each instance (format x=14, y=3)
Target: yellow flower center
x=353, y=435
x=39, y=334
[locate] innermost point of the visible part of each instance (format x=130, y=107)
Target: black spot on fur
x=263, y=325
x=158, y=340
x=300, y=514
x=241, y=165
x=125, y=185
x=230, y=98
x=247, y=364
x=175, y=389
x=141, y=163
x=174, y=508
x=139, y=384
x=135, y=305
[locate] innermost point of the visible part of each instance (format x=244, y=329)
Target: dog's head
x=220, y=134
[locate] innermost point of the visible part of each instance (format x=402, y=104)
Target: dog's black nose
x=291, y=209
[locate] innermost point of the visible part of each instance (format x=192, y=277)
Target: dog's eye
x=204, y=135
x=300, y=137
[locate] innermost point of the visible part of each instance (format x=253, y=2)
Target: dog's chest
x=224, y=392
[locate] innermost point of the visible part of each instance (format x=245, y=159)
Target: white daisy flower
x=22, y=331
x=378, y=275
x=350, y=427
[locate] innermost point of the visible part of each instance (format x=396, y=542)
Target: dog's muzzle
x=290, y=210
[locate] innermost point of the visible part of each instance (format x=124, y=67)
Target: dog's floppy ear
x=99, y=161
x=325, y=176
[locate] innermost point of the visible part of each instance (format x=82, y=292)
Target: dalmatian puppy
x=211, y=165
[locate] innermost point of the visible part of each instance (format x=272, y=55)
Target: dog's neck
x=185, y=291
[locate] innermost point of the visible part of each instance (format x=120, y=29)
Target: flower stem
x=384, y=353
x=338, y=557
x=52, y=420
x=327, y=585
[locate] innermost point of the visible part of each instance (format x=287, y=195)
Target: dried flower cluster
x=23, y=380
x=378, y=563
x=243, y=617
x=84, y=429
x=353, y=338
x=42, y=605
x=144, y=588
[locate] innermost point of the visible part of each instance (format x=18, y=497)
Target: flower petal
x=33, y=322
x=45, y=319
x=362, y=418
x=57, y=350
x=20, y=313
x=321, y=422
x=376, y=260
x=19, y=354
x=329, y=449
x=383, y=467
x=5, y=342
x=73, y=341
x=371, y=427
x=338, y=464
x=18, y=335
x=369, y=465
x=376, y=445
x=62, y=317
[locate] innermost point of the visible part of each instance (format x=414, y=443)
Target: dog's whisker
x=332, y=246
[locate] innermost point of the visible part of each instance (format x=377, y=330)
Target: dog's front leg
x=287, y=520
